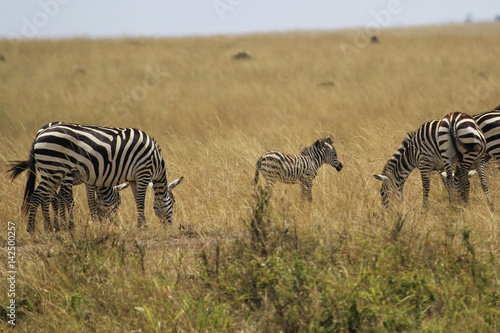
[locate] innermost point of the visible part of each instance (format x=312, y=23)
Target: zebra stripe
x=301, y=168
x=436, y=145
x=489, y=122
x=103, y=201
x=103, y=157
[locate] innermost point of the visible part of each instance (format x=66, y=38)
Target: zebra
x=103, y=157
x=435, y=146
x=103, y=201
x=470, y=144
x=301, y=168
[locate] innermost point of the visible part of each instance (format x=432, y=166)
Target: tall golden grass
x=214, y=116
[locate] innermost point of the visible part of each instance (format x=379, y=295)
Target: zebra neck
x=402, y=163
x=316, y=156
x=159, y=173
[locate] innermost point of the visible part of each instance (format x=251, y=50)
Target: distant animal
x=103, y=157
x=374, y=39
x=326, y=84
x=301, y=168
x=2, y=58
x=435, y=146
x=241, y=56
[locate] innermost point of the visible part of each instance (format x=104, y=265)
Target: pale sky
x=157, y=18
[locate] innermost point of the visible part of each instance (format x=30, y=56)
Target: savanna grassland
x=233, y=259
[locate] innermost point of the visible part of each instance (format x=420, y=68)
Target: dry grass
x=214, y=116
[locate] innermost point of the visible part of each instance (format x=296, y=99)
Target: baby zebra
x=301, y=168
x=103, y=201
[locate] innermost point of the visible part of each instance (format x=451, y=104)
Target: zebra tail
x=30, y=185
x=256, y=179
x=17, y=168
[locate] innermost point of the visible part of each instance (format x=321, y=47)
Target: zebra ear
x=329, y=140
x=121, y=186
x=320, y=144
x=381, y=177
x=173, y=184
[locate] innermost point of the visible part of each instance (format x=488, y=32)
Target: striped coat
x=301, y=168
x=103, y=157
x=434, y=147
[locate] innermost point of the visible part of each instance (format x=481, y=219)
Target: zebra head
x=389, y=189
x=108, y=199
x=164, y=200
x=326, y=145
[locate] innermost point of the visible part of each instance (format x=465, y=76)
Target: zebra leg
x=463, y=180
x=139, y=190
x=450, y=183
x=46, y=214
x=426, y=187
x=56, y=208
x=269, y=186
x=94, y=213
x=42, y=195
x=71, y=222
x=484, y=184
x=68, y=203
x=307, y=190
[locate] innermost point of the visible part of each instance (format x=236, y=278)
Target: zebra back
x=489, y=123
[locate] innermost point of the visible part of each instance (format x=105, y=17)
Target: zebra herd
x=108, y=159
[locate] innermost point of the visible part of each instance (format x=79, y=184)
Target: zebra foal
x=435, y=146
x=301, y=168
x=102, y=157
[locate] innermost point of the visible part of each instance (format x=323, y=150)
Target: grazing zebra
x=103, y=201
x=103, y=157
x=301, y=168
x=436, y=145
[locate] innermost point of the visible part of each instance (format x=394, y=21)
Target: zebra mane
x=310, y=149
x=410, y=135
x=156, y=144
x=393, y=161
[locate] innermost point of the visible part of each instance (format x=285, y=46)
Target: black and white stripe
x=301, y=168
x=103, y=201
x=489, y=123
x=103, y=157
x=470, y=144
x=435, y=146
